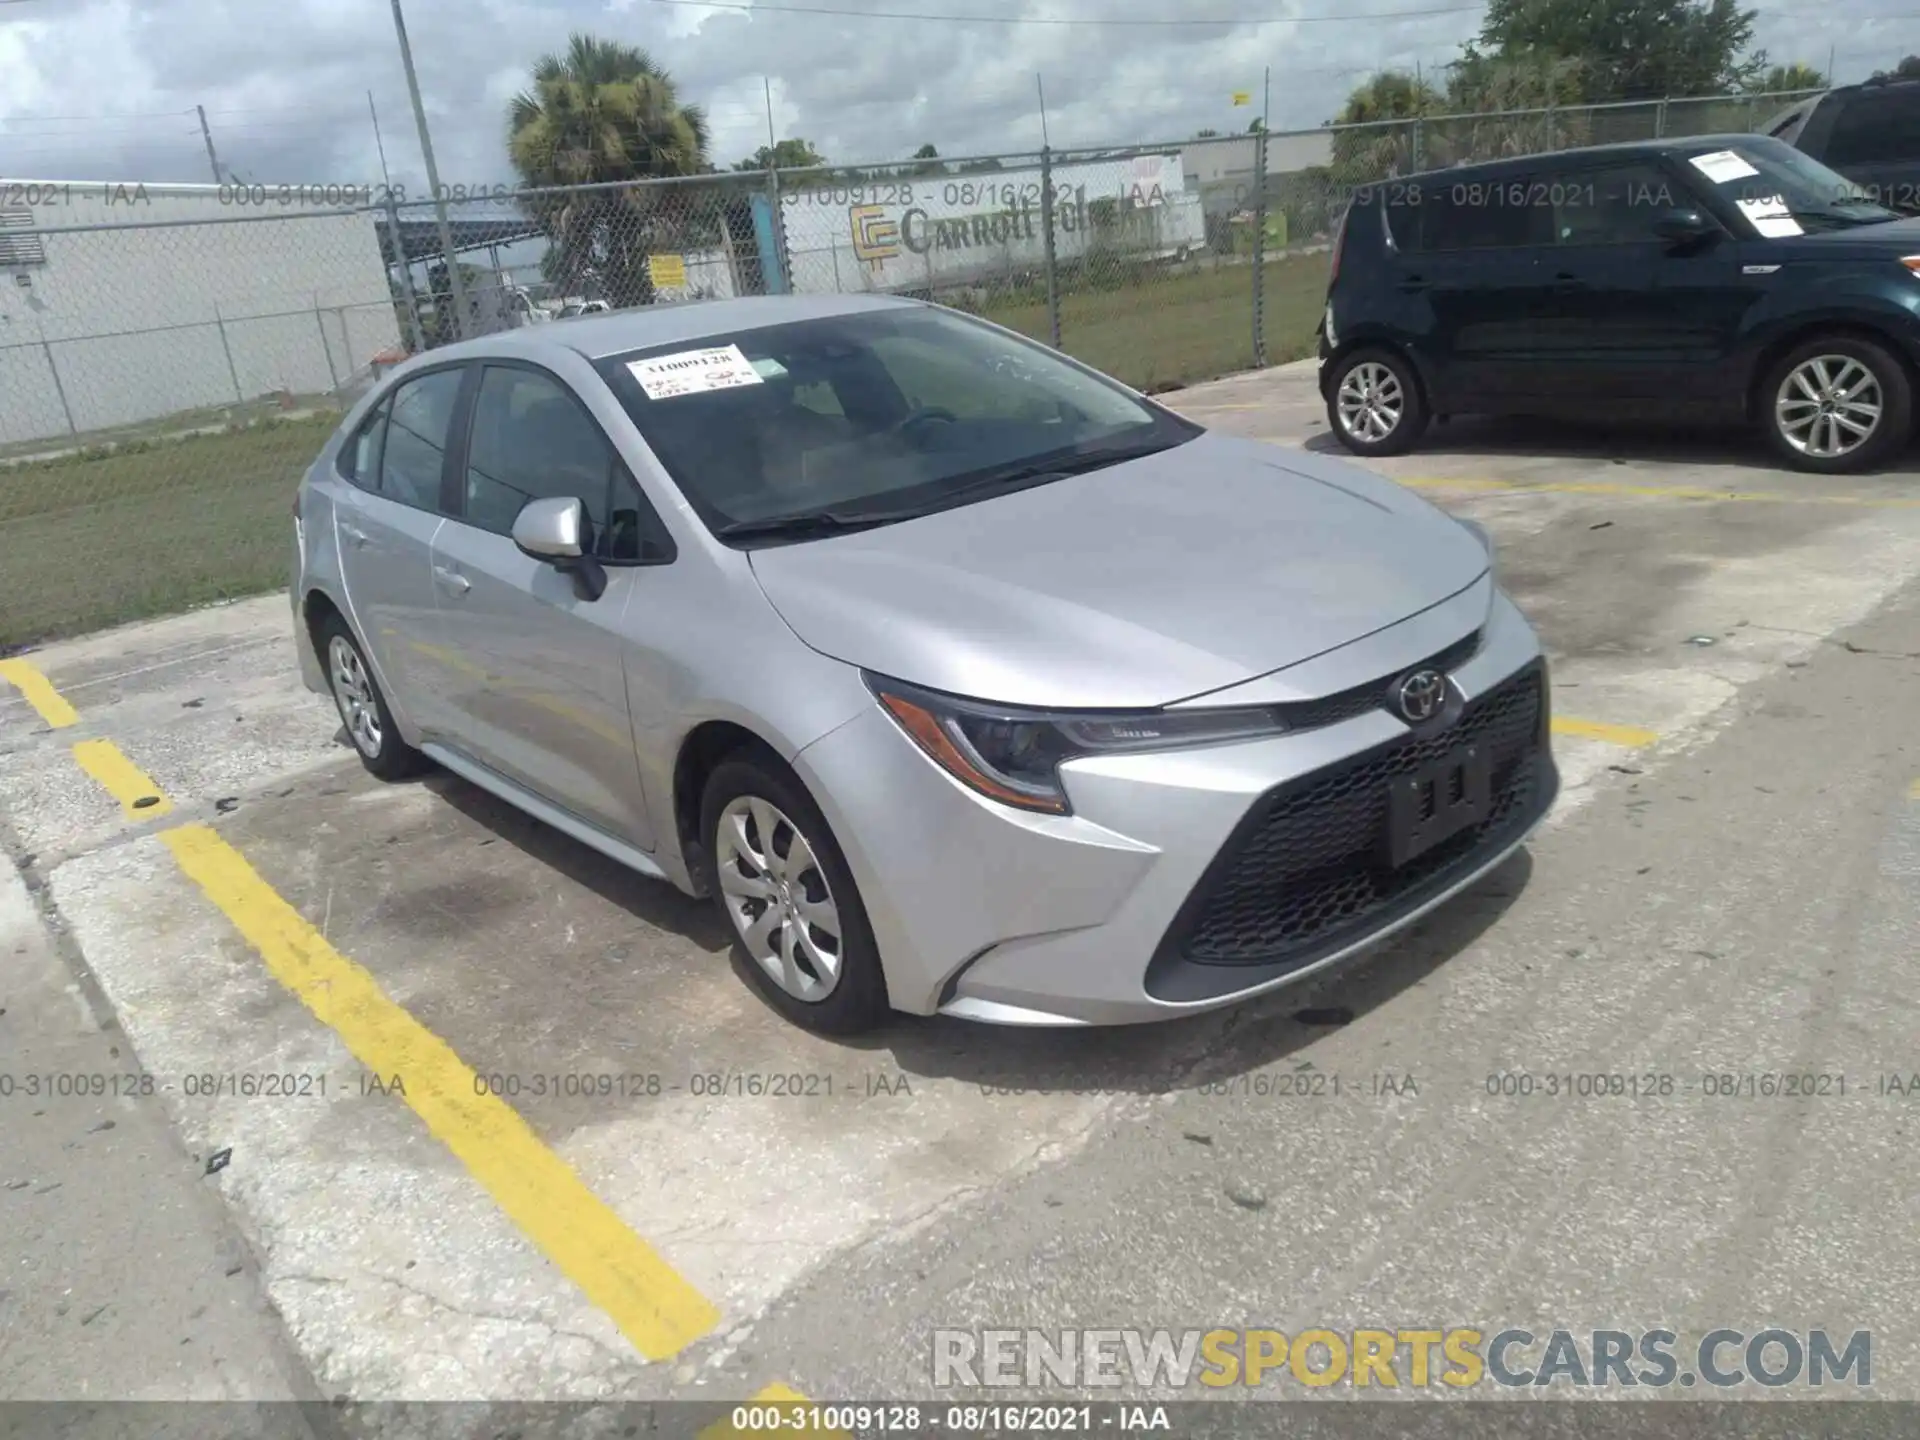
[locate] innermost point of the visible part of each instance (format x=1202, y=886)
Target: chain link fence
x=171, y=358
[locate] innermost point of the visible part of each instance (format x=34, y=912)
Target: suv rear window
x=1877, y=127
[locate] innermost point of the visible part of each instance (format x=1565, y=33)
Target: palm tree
x=600, y=114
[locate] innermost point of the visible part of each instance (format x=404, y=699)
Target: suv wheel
x=363, y=709
x=1374, y=404
x=1837, y=405
x=781, y=881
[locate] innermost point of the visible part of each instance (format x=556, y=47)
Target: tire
x=1388, y=391
x=1857, y=371
x=831, y=991
x=368, y=720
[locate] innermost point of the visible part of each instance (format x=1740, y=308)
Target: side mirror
x=554, y=531
x=1683, y=227
x=551, y=529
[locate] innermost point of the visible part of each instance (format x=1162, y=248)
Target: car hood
x=1146, y=583
x=1889, y=237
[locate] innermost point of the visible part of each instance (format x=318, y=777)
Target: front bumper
x=1184, y=880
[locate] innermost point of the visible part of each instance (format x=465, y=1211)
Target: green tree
x=929, y=162
x=787, y=155
x=1207, y=135
x=1630, y=49
x=1782, y=79
x=1510, y=105
x=1907, y=69
x=605, y=112
x=1373, y=139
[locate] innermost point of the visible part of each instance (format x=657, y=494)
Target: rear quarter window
x=1876, y=127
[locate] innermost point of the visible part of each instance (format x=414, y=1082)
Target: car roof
x=597, y=335
x=1619, y=150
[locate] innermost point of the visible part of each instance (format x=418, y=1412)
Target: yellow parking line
x=772, y=1395
x=1913, y=789
x=139, y=797
x=657, y=1310
x=38, y=692
x=1656, y=492
x=1631, y=736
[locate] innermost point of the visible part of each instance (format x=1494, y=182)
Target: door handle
x=1415, y=283
x=1566, y=281
x=452, y=579
x=354, y=533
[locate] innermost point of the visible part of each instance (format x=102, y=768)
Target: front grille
x=1307, y=871
x=1333, y=709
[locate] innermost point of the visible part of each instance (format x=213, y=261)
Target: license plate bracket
x=1436, y=802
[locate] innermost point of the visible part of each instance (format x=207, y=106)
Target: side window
x=1616, y=205
x=1877, y=129
x=532, y=441
x=1403, y=216
x=416, y=439
x=1485, y=214
x=360, y=455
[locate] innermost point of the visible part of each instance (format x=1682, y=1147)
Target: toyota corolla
x=964, y=679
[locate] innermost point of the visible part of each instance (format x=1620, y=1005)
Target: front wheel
x=1374, y=404
x=1837, y=405
x=779, y=877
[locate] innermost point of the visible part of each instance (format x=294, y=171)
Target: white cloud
x=285, y=83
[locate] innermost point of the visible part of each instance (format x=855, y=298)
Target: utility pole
x=207, y=135
x=433, y=178
x=378, y=143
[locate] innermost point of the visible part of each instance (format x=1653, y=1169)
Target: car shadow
x=653, y=902
x=1619, y=442
x=1159, y=1058
x=1146, y=1059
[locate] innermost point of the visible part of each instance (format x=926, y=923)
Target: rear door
x=386, y=523
x=1478, y=263
x=541, y=697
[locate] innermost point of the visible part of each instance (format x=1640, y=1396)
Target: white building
x=122, y=303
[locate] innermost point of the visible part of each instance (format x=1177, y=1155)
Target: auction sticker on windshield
x=694, y=372
x=1722, y=166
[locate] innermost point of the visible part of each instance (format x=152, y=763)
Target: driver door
x=540, y=696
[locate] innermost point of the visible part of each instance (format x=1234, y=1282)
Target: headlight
x=1014, y=756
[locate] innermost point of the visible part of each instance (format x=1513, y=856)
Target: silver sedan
x=963, y=678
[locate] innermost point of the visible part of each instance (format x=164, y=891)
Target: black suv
x=1869, y=132
x=1719, y=278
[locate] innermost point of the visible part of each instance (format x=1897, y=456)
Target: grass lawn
x=93, y=539
x=90, y=540
x=1188, y=327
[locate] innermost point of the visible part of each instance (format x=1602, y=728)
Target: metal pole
x=232, y=373
x=1046, y=227
x=415, y=339
x=207, y=135
x=784, y=260
x=326, y=346
x=380, y=145
x=1260, y=229
x=433, y=178
x=1046, y=218
x=58, y=388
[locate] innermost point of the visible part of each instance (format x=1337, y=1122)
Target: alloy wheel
x=1371, y=402
x=353, y=693
x=1828, y=406
x=777, y=895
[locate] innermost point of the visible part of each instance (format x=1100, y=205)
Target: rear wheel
x=779, y=878
x=1374, y=404
x=363, y=709
x=1837, y=405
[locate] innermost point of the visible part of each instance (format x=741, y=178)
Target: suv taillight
x=1339, y=245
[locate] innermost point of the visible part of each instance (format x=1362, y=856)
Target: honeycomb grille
x=1312, y=868
x=1333, y=709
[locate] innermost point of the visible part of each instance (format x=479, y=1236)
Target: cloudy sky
x=106, y=89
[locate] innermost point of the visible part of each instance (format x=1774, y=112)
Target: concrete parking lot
x=491, y=1118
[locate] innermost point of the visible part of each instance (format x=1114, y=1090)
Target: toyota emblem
x=1421, y=695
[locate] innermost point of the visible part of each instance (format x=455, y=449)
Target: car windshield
x=870, y=417
x=1783, y=191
